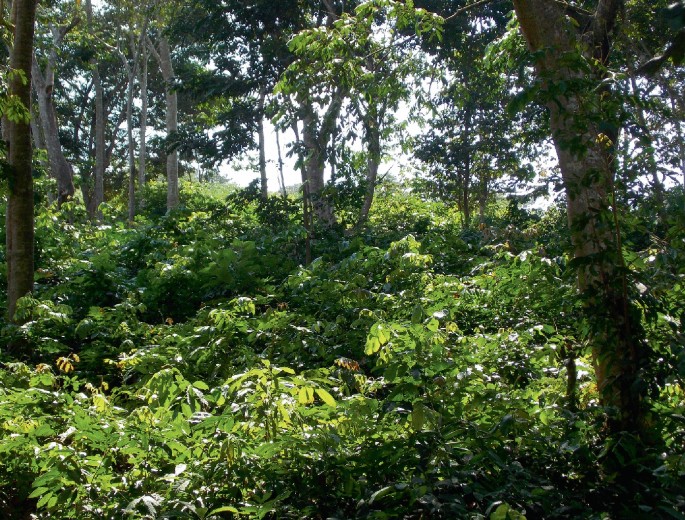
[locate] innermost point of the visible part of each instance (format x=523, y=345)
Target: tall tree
x=19, y=218
x=572, y=48
x=162, y=54
x=44, y=87
x=98, y=196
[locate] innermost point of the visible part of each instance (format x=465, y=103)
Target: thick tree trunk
x=44, y=86
x=585, y=160
x=60, y=169
x=19, y=217
x=315, y=135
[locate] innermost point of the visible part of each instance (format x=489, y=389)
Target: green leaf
x=38, y=492
x=44, y=500
x=381, y=493
x=200, y=385
x=433, y=325
x=223, y=509
x=326, y=397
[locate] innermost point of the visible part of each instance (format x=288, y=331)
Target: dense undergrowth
x=191, y=367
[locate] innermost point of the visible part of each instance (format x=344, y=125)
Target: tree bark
x=163, y=56
x=315, y=135
x=585, y=157
x=131, y=72
x=43, y=85
x=262, y=145
x=306, y=203
x=98, y=196
x=19, y=217
x=373, y=140
x=467, y=151
x=280, y=164
x=142, y=161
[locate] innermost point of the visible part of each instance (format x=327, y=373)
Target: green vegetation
x=192, y=367
x=398, y=333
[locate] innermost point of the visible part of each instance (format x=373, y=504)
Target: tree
x=361, y=65
x=571, y=48
x=468, y=145
x=246, y=44
x=162, y=54
x=44, y=87
x=98, y=196
x=19, y=218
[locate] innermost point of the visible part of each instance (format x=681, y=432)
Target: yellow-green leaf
x=325, y=397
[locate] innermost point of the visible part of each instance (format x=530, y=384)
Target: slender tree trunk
x=39, y=144
x=306, y=204
x=373, y=140
x=19, y=217
x=262, y=153
x=100, y=146
x=98, y=196
x=585, y=160
x=131, y=71
x=280, y=164
x=142, y=161
x=131, y=151
x=167, y=69
x=466, y=180
x=483, y=199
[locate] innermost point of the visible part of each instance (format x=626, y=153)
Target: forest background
x=363, y=344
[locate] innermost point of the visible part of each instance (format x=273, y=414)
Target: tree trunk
x=60, y=169
x=483, y=199
x=585, y=159
x=100, y=146
x=167, y=69
x=142, y=161
x=373, y=139
x=131, y=71
x=466, y=150
x=314, y=139
x=98, y=196
x=262, y=153
x=19, y=217
x=306, y=204
x=280, y=164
